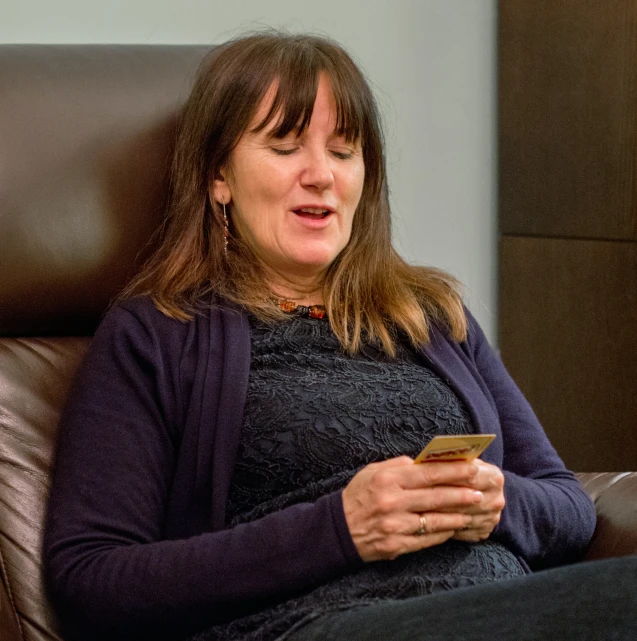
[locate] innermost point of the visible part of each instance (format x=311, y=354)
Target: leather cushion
x=35, y=376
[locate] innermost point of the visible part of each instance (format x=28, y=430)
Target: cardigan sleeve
x=108, y=564
x=549, y=518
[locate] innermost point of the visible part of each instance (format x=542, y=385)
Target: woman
x=236, y=458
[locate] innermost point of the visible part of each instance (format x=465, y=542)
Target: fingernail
x=478, y=496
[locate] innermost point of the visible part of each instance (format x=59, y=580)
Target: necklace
x=309, y=311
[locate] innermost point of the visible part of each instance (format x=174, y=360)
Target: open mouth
x=311, y=213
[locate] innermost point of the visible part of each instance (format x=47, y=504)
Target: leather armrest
x=615, y=497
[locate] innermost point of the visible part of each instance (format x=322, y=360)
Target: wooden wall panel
x=568, y=335
x=568, y=118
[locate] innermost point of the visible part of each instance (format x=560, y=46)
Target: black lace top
x=314, y=416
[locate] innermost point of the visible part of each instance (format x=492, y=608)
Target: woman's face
x=293, y=199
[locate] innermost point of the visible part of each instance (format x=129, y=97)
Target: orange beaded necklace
x=311, y=311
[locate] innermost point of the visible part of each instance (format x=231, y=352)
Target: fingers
x=402, y=472
x=419, y=525
x=439, y=499
x=488, y=476
x=396, y=536
x=480, y=528
x=399, y=485
x=429, y=474
x=383, y=504
x=434, y=522
x=487, y=514
x=471, y=535
x=489, y=481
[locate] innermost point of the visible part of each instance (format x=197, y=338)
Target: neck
x=307, y=298
x=302, y=290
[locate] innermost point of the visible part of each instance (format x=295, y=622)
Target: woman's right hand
x=384, y=501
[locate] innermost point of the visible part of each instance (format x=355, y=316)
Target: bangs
x=297, y=77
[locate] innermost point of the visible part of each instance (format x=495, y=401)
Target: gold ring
x=423, y=526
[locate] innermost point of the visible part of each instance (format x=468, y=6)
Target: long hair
x=369, y=291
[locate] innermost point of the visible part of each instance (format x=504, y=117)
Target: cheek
x=356, y=186
x=266, y=187
x=357, y=180
x=355, y=189
x=258, y=208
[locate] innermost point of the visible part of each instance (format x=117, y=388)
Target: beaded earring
x=226, y=229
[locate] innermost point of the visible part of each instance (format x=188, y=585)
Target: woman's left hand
x=485, y=515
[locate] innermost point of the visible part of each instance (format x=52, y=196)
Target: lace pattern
x=314, y=416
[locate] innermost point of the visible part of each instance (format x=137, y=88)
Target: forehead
x=288, y=107
x=273, y=116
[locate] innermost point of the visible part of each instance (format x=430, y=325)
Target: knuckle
x=388, y=525
x=433, y=474
x=385, y=503
x=382, y=478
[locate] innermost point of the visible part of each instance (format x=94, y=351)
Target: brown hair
x=369, y=291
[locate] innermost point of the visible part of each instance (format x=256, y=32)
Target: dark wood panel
x=568, y=116
x=568, y=335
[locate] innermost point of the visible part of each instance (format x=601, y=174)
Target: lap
x=581, y=602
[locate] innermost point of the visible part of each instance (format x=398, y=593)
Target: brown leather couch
x=85, y=136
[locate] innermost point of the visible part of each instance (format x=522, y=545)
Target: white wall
x=432, y=62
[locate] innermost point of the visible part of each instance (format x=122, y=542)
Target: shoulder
x=142, y=310
x=475, y=334
x=139, y=320
x=136, y=326
x=474, y=339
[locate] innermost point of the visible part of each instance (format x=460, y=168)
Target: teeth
x=311, y=210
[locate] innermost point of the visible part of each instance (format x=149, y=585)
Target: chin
x=315, y=260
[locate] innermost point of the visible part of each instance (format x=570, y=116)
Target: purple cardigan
x=135, y=543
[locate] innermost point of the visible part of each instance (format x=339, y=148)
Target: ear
x=219, y=189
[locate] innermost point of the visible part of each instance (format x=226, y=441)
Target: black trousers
x=592, y=601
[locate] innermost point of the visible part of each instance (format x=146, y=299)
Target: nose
x=317, y=173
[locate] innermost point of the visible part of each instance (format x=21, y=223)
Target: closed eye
x=340, y=154
x=283, y=152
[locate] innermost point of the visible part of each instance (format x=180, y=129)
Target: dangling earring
x=226, y=229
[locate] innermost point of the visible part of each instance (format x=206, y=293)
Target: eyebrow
x=268, y=133
x=270, y=129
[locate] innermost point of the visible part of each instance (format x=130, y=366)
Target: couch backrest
x=86, y=137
